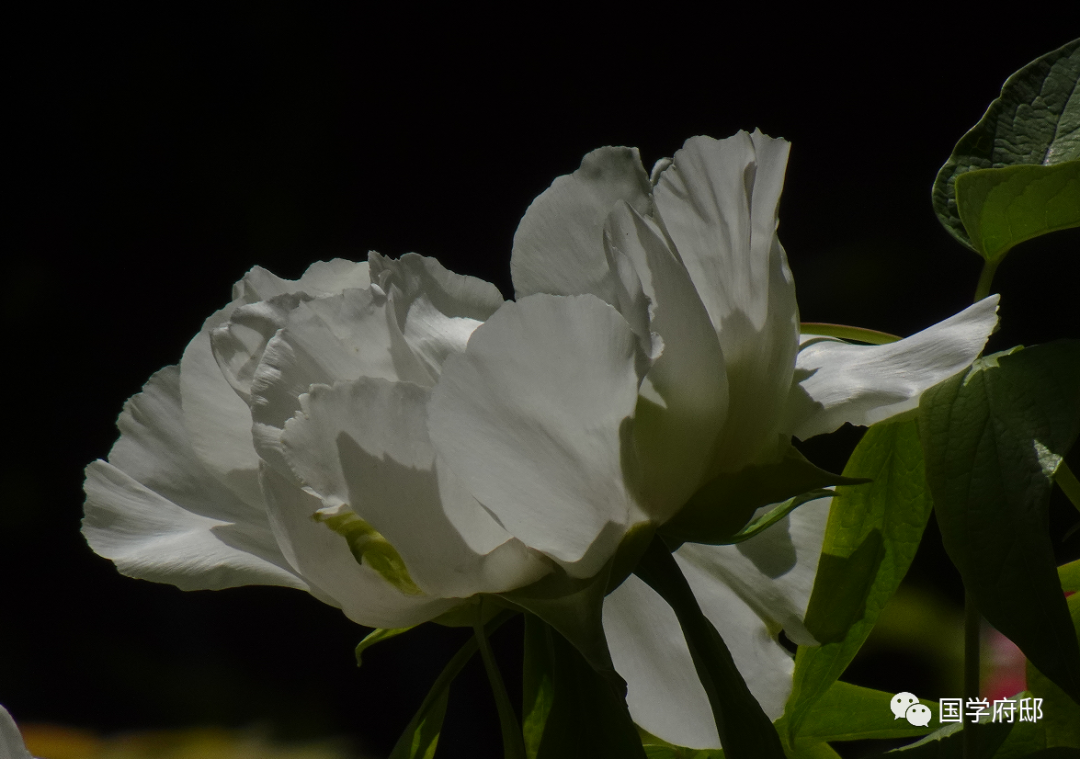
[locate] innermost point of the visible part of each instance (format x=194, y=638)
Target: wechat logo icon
x=906, y=705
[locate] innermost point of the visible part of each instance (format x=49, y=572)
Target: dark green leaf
x=513, y=746
x=421, y=736
x=872, y=529
x=1061, y=716
x=569, y=710
x=745, y=731
x=721, y=508
x=1035, y=120
x=1003, y=207
x=993, y=438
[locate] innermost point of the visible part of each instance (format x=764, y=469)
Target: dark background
x=160, y=155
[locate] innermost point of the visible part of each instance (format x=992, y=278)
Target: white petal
x=11, y=742
x=838, y=382
x=324, y=559
x=434, y=309
x=156, y=512
x=218, y=421
x=534, y=417
x=749, y=592
x=676, y=436
x=321, y=278
x=365, y=444
x=558, y=247
x=718, y=202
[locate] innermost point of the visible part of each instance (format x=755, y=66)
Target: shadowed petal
x=365, y=444
x=533, y=418
x=558, y=246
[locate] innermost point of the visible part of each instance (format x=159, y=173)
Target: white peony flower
x=654, y=354
x=290, y=448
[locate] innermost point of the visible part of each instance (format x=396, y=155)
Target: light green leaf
x=1069, y=576
x=745, y=731
x=948, y=742
x=993, y=438
x=421, y=736
x=870, y=540
x=717, y=512
x=378, y=635
x=1003, y=207
x=569, y=710
x=850, y=713
x=768, y=519
x=1035, y=121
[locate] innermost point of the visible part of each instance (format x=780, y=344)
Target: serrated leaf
x=569, y=710
x=744, y=729
x=1034, y=121
x=849, y=712
x=874, y=528
x=993, y=437
x=1001, y=208
x=421, y=736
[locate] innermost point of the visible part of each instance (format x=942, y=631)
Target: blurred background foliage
x=163, y=151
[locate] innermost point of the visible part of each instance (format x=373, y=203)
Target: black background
x=161, y=154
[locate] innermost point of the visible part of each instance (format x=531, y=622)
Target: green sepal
x=769, y=518
x=1035, y=120
x=994, y=437
x=1001, y=208
x=569, y=710
x=852, y=713
x=744, y=729
x=875, y=529
x=378, y=635
x=421, y=736
x=721, y=508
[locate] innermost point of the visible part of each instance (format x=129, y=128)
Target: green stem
x=986, y=279
x=513, y=744
x=844, y=332
x=972, y=626
x=1068, y=483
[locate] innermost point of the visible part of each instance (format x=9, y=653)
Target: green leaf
x=851, y=713
x=745, y=731
x=1035, y=121
x=421, y=736
x=872, y=529
x=993, y=438
x=378, y=635
x=1003, y=207
x=948, y=742
x=1069, y=575
x=721, y=508
x=569, y=710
